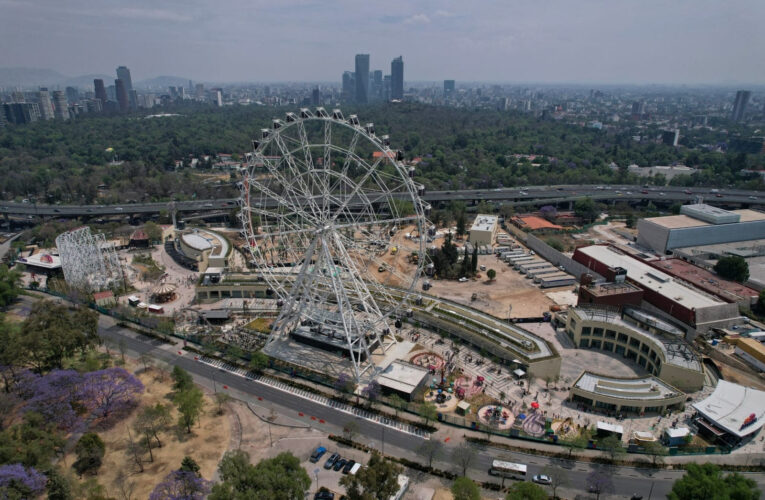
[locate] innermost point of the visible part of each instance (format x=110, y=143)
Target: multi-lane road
x=627, y=480
x=531, y=195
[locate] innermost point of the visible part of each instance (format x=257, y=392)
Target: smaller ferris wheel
x=335, y=224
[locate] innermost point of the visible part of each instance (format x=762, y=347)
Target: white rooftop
x=731, y=404
x=484, y=223
x=651, y=278
x=402, y=376
x=610, y=427
x=196, y=241
x=647, y=388
x=43, y=260
x=677, y=432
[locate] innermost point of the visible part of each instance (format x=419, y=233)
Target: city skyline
x=590, y=42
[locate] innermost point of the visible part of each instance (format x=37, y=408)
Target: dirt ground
x=206, y=444
x=737, y=376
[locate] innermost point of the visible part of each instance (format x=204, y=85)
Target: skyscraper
x=397, y=78
x=448, y=87
x=349, y=85
x=72, y=95
x=61, y=107
x=46, y=108
x=739, y=106
x=123, y=73
x=362, y=78
x=100, y=91
x=315, y=97
x=122, y=95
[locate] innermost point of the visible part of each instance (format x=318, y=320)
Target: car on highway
x=644, y=191
x=662, y=193
x=208, y=205
x=523, y=193
x=119, y=209
x=542, y=479
x=340, y=464
x=331, y=460
x=462, y=280
x=349, y=466
x=90, y=210
x=688, y=191
x=718, y=195
x=317, y=454
x=752, y=197
x=57, y=210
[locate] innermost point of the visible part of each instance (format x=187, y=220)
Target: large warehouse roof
x=731, y=406
x=650, y=277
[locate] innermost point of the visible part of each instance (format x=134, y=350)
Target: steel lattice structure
x=89, y=262
x=322, y=198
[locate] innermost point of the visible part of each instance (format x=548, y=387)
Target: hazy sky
x=608, y=41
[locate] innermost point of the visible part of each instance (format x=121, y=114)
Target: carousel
x=163, y=293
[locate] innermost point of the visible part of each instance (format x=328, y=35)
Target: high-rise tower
x=122, y=95
x=362, y=78
x=61, y=110
x=123, y=73
x=46, y=108
x=98, y=84
x=397, y=78
x=739, y=106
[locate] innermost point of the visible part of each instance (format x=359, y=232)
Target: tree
x=153, y=231
x=111, y=391
x=526, y=491
x=397, y=402
x=461, y=223
x=707, y=481
x=181, y=379
x=428, y=412
x=656, y=451
x=221, y=398
x=9, y=285
x=278, y=478
x=372, y=392
x=599, y=482
x=17, y=481
x=345, y=385
x=377, y=481
x=188, y=464
x=761, y=302
x=258, y=362
x=631, y=221
x=351, y=429
x=59, y=486
x=33, y=442
x=189, y=403
x=464, y=488
x=124, y=485
x=90, y=450
x=578, y=442
x=558, y=478
x=150, y=422
x=612, y=445
x=181, y=485
x=491, y=274
x=733, y=267
x=430, y=449
x=586, y=209
x=474, y=262
x=463, y=456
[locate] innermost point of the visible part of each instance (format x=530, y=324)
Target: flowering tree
x=549, y=212
x=372, y=391
x=17, y=481
x=113, y=390
x=181, y=485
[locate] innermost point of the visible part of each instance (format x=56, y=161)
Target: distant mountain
x=162, y=82
x=29, y=77
x=86, y=81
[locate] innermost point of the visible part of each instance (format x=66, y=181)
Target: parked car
x=349, y=466
x=331, y=461
x=541, y=479
x=340, y=464
x=462, y=280
x=317, y=454
x=324, y=494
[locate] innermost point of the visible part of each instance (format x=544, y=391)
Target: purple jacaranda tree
x=17, y=481
x=111, y=391
x=67, y=397
x=549, y=212
x=372, y=391
x=181, y=485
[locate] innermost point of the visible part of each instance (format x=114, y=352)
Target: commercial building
x=662, y=293
x=362, y=78
x=739, y=105
x=751, y=350
x=534, y=223
x=100, y=91
x=20, y=113
x=207, y=248
x=731, y=414
x=405, y=379
x=122, y=95
x=42, y=263
x=397, y=78
x=46, y=107
x=484, y=230
x=700, y=224
x=448, y=87
x=610, y=294
x=60, y=105
x=123, y=73
x=634, y=395
x=653, y=344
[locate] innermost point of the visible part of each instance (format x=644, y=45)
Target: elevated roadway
x=528, y=196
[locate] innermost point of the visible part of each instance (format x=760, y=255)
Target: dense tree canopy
x=278, y=478
x=733, y=267
x=377, y=481
x=9, y=285
x=708, y=482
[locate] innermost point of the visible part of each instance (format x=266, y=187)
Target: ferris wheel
x=336, y=226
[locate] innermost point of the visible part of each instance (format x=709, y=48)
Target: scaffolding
x=89, y=262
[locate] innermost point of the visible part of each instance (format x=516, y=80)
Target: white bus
x=508, y=469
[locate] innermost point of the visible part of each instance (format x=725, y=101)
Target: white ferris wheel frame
x=326, y=225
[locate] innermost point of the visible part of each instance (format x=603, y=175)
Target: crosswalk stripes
x=373, y=417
